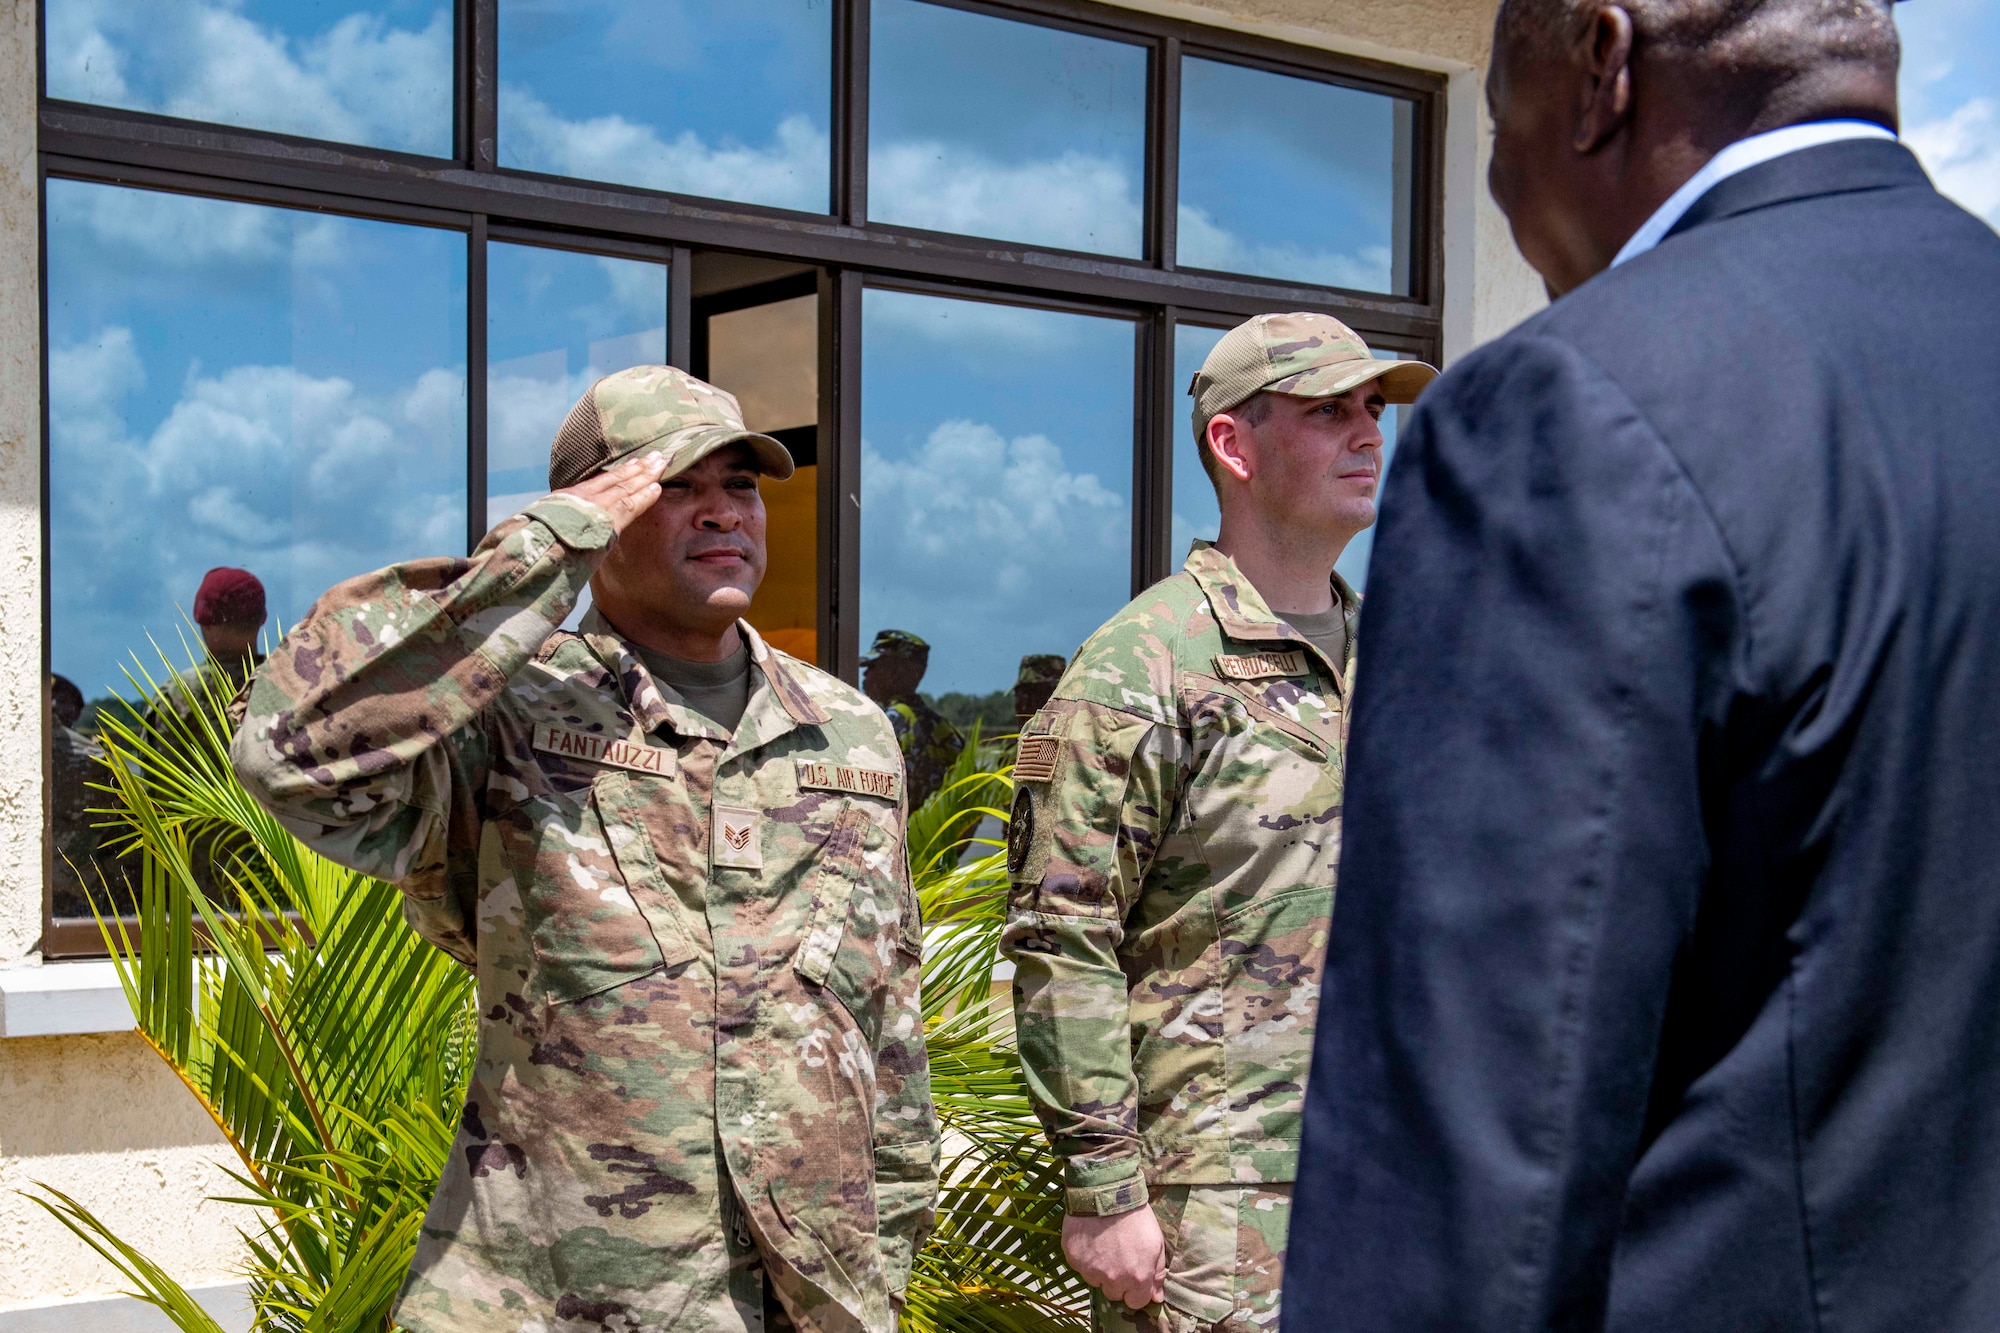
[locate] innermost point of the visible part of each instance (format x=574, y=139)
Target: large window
x=325, y=275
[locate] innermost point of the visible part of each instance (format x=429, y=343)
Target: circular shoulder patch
x=1020, y=830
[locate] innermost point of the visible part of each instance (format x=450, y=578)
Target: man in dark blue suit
x=1664, y=983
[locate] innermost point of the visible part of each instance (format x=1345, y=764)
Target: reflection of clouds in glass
x=994, y=547
x=1200, y=243
x=361, y=80
x=1071, y=202
x=165, y=232
x=1962, y=154
x=787, y=172
x=301, y=479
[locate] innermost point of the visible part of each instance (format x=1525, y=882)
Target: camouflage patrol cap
x=1310, y=356
x=654, y=409
x=896, y=643
x=1041, y=669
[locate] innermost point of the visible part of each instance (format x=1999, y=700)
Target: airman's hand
x=1124, y=1255
x=625, y=491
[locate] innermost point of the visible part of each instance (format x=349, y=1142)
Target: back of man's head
x=1750, y=44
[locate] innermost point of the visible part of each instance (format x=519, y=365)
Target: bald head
x=1603, y=110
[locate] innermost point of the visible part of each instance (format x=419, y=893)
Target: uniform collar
x=778, y=698
x=1239, y=608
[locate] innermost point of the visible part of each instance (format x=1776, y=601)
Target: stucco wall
x=104, y=1120
x=100, y=1117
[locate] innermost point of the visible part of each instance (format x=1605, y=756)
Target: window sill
x=62, y=1000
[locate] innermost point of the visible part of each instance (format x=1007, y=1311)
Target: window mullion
x=1163, y=168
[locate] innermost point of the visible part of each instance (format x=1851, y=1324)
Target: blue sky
x=1950, y=92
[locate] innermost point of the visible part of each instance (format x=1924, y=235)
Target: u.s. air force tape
x=817, y=776
x=654, y=759
x=1259, y=666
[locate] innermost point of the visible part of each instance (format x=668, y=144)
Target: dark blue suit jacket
x=1664, y=984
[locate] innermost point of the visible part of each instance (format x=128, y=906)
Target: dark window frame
x=470, y=193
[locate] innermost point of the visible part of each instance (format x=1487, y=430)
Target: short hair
x=1749, y=37
x=1256, y=409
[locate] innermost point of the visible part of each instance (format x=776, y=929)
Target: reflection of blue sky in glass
x=375, y=72
x=724, y=98
x=238, y=385
x=1195, y=511
x=996, y=480
x=556, y=322
x=1950, y=94
x=1292, y=178
x=991, y=127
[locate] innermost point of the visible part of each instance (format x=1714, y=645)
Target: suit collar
x=1836, y=168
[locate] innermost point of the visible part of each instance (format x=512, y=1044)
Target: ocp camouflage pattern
x=1175, y=836
x=701, y=1064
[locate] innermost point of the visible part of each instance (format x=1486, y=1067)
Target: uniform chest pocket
x=1278, y=715
x=856, y=926
x=593, y=866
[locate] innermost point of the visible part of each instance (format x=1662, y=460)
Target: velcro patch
x=735, y=841
x=1037, y=759
x=816, y=776
x=1259, y=666
x=654, y=759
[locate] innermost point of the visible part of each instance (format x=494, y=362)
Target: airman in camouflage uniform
x=700, y=1100
x=1172, y=851
x=890, y=674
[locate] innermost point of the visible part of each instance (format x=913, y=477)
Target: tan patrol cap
x=654, y=409
x=1309, y=356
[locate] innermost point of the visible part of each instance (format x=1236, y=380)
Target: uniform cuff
x=578, y=524
x=1119, y=1196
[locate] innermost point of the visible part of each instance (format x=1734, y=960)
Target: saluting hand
x=625, y=491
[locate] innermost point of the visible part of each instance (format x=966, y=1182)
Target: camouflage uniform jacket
x=1172, y=851
x=700, y=1045
x=930, y=745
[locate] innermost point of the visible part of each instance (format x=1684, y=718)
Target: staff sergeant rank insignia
x=653, y=759
x=845, y=777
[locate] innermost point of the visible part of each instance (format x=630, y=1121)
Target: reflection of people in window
x=230, y=611
x=1036, y=681
x=74, y=766
x=890, y=675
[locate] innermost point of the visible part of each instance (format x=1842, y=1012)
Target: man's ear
x=1227, y=442
x=1603, y=57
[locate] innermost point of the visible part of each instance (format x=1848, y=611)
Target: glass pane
x=995, y=128
x=556, y=322
x=768, y=356
x=996, y=485
x=1195, y=510
x=1292, y=178
x=229, y=384
x=374, y=72
x=724, y=98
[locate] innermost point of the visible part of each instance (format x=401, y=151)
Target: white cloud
x=989, y=547
x=1201, y=243
x=360, y=81
x=304, y=480
x=789, y=172
x=1072, y=202
x=1962, y=154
